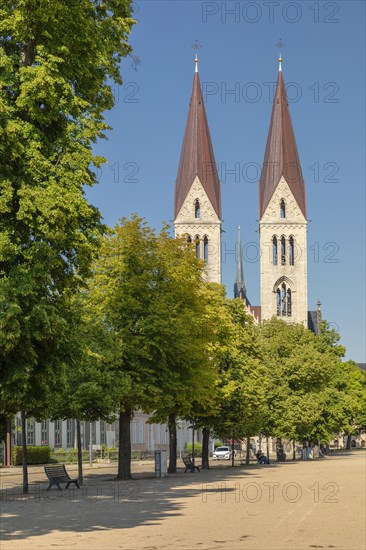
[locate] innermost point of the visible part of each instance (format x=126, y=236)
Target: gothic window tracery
x=282, y=209
x=283, y=251
x=205, y=249
x=274, y=251
x=197, y=209
x=292, y=251
x=284, y=301
x=198, y=246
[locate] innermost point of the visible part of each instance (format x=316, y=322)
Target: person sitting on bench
x=261, y=457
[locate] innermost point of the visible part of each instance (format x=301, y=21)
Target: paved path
x=315, y=504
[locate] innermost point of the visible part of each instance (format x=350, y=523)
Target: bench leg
x=73, y=481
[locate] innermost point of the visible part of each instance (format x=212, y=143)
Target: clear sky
x=324, y=70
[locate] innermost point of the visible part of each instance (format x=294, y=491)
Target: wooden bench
x=57, y=474
x=190, y=466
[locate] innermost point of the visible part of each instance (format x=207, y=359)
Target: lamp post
x=180, y=426
x=90, y=444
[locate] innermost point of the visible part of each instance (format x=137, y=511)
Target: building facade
x=282, y=219
x=197, y=208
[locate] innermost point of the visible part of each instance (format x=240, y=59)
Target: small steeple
x=281, y=157
x=197, y=156
x=240, y=290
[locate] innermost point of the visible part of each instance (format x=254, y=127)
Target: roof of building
x=281, y=157
x=313, y=324
x=257, y=312
x=197, y=156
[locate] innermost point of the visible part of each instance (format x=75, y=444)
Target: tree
x=58, y=61
x=241, y=377
x=305, y=400
x=147, y=290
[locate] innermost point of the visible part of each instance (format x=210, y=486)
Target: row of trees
x=95, y=322
x=146, y=332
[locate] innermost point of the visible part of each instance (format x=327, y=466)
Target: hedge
x=197, y=448
x=36, y=455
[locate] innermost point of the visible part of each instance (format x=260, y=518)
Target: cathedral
x=282, y=212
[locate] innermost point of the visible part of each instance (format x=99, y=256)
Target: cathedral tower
x=282, y=219
x=197, y=209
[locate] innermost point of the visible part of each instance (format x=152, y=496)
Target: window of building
x=291, y=251
x=205, y=249
x=278, y=302
x=30, y=431
x=70, y=433
x=274, y=251
x=189, y=239
x=282, y=209
x=289, y=304
x=57, y=428
x=283, y=251
x=284, y=301
x=44, y=432
x=103, y=439
x=197, y=209
x=198, y=247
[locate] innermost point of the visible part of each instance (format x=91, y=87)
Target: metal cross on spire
x=196, y=46
x=280, y=45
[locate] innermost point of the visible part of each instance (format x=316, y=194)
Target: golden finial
x=196, y=46
x=280, y=44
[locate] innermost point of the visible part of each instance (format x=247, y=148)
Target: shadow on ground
x=104, y=503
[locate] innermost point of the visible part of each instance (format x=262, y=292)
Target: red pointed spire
x=197, y=157
x=281, y=157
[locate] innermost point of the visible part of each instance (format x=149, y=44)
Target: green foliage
x=309, y=396
x=58, y=61
x=241, y=377
x=197, y=448
x=36, y=455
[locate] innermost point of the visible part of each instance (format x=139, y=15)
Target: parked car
x=223, y=453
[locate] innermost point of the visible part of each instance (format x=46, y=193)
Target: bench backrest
x=56, y=471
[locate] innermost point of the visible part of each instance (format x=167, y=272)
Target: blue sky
x=324, y=69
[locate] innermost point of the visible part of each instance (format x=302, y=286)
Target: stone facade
x=281, y=275
x=208, y=225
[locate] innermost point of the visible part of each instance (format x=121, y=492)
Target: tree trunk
x=293, y=449
x=8, y=444
x=24, y=454
x=205, y=448
x=124, y=445
x=232, y=453
x=172, y=425
x=247, y=454
x=80, y=452
x=267, y=445
x=348, y=443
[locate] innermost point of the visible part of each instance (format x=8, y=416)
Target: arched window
x=283, y=251
x=205, y=249
x=283, y=301
x=282, y=209
x=274, y=251
x=278, y=302
x=189, y=239
x=197, y=209
x=292, y=252
x=198, y=247
x=289, y=304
